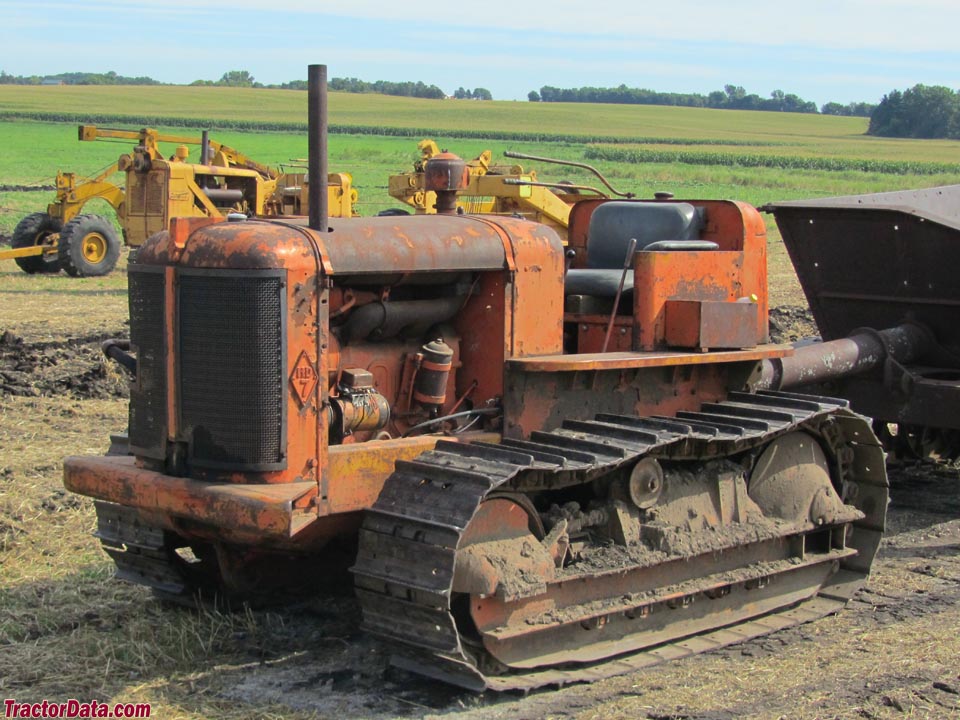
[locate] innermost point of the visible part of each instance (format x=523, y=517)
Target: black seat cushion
x=601, y=283
x=614, y=224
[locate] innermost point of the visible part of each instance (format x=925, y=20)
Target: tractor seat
x=655, y=225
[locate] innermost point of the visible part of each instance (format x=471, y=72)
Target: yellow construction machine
x=157, y=189
x=495, y=189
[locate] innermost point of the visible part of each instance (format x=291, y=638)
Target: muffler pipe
x=863, y=350
x=317, y=146
x=204, y=156
x=119, y=352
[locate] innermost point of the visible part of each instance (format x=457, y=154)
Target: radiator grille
x=232, y=368
x=148, y=395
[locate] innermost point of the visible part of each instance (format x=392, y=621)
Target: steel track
x=408, y=544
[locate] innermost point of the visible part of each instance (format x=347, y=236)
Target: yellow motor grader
x=157, y=189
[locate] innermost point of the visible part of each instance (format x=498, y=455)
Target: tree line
x=923, y=111
x=732, y=97
x=419, y=89
x=243, y=78
x=384, y=87
x=77, y=78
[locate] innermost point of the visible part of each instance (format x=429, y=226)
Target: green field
x=693, y=152
x=378, y=110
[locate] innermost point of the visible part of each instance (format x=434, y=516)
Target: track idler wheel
x=500, y=553
x=791, y=481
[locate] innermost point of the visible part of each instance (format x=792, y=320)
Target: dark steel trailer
x=871, y=263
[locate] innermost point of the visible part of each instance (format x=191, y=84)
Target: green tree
x=533, y=96
x=923, y=111
x=237, y=78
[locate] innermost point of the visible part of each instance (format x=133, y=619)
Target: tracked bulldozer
x=555, y=467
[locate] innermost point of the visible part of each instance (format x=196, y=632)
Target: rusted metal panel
x=932, y=401
x=483, y=323
x=367, y=469
x=632, y=360
x=411, y=244
x=937, y=204
x=536, y=292
x=663, y=276
x=544, y=392
x=248, y=245
x=277, y=511
x=705, y=324
x=592, y=332
x=904, y=247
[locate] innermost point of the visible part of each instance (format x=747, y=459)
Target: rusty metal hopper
x=875, y=261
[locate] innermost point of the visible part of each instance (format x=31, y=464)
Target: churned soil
x=73, y=367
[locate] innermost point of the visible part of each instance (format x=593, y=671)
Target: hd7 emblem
x=303, y=379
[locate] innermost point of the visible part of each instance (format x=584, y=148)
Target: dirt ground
x=73, y=631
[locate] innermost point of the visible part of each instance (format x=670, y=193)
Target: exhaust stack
x=317, y=146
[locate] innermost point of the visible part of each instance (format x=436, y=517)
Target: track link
x=408, y=544
x=139, y=551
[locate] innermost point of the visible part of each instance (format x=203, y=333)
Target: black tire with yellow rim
x=89, y=246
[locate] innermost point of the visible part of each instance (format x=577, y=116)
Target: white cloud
x=894, y=25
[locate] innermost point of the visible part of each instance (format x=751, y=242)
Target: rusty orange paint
x=735, y=226
x=577, y=230
x=483, y=324
x=737, y=271
x=738, y=226
x=709, y=325
x=633, y=360
x=663, y=276
x=362, y=469
x=276, y=512
x=536, y=301
x=518, y=271
x=592, y=331
x=182, y=227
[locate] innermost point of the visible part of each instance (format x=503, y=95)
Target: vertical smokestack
x=204, y=155
x=317, y=145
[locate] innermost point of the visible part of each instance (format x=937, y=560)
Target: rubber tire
x=30, y=231
x=70, y=247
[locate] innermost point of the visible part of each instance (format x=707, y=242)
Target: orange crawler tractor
x=554, y=474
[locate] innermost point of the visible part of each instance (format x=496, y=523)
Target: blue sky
x=822, y=50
